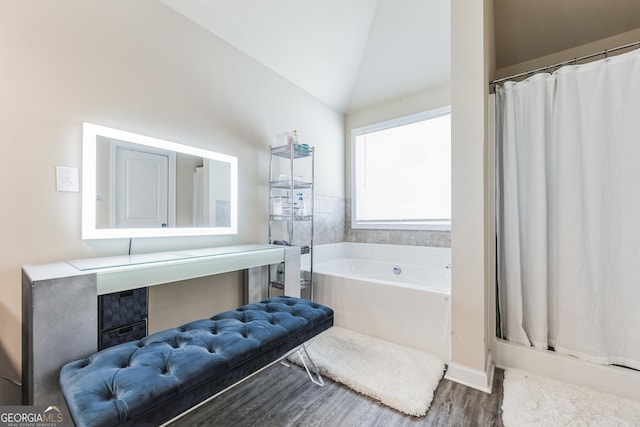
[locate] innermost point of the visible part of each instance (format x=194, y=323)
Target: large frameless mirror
x=138, y=186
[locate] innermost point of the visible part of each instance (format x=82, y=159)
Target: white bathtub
x=411, y=308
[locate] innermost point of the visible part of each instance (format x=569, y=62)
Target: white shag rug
x=399, y=377
x=532, y=400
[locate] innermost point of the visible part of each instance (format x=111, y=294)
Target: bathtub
x=410, y=306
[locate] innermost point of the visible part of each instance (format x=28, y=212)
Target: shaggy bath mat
x=532, y=400
x=399, y=377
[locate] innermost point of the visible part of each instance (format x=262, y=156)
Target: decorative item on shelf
x=280, y=276
x=302, y=149
x=281, y=205
x=287, y=143
x=301, y=206
x=284, y=139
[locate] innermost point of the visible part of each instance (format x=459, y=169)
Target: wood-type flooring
x=284, y=396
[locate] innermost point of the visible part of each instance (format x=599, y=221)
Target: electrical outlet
x=67, y=179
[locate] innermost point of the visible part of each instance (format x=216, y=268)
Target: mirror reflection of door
x=142, y=189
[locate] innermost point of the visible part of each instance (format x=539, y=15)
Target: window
x=401, y=173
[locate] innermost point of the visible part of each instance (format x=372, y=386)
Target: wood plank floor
x=281, y=396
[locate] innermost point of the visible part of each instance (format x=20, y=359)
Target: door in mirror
x=137, y=186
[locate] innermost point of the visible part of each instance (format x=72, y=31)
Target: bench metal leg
x=318, y=378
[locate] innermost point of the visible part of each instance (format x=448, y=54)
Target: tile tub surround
x=332, y=224
x=439, y=239
x=330, y=220
x=329, y=225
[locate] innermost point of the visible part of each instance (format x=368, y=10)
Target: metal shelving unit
x=291, y=174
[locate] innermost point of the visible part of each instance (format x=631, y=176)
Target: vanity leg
x=254, y=283
x=292, y=271
x=59, y=324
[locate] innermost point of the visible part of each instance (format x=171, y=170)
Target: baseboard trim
x=474, y=378
x=622, y=382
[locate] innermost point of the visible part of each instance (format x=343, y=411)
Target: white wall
x=472, y=201
x=140, y=67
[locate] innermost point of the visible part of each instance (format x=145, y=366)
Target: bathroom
x=126, y=66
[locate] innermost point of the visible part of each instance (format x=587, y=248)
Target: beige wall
x=489, y=177
x=140, y=67
x=204, y=296
x=568, y=54
x=471, y=71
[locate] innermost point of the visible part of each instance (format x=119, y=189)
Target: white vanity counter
x=120, y=273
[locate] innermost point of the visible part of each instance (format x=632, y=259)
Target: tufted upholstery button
x=180, y=367
x=108, y=395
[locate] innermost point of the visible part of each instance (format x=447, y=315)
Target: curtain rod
x=605, y=52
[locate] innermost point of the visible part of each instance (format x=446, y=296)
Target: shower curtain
x=568, y=203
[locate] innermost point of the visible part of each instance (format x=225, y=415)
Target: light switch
x=67, y=179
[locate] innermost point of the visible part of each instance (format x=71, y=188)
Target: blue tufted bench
x=151, y=381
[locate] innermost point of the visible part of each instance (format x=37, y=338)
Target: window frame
x=431, y=225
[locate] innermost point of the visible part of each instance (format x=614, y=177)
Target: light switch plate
x=67, y=179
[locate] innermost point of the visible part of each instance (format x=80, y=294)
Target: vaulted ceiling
x=349, y=54
x=357, y=53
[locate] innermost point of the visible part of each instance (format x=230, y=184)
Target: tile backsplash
x=329, y=220
x=440, y=239
x=329, y=225
x=332, y=224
